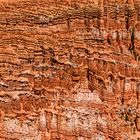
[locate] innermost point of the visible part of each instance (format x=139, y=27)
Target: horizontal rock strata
x=70, y=70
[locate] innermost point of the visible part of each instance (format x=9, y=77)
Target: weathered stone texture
x=70, y=70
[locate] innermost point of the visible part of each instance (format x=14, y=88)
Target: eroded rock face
x=70, y=70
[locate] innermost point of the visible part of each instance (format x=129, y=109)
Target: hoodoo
x=69, y=69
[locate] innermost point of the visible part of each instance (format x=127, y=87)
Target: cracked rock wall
x=70, y=70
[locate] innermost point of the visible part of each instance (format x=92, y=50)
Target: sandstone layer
x=70, y=70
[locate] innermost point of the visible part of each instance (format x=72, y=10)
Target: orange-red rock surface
x=70, y=70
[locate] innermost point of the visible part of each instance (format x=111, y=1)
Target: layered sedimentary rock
x=70, y=70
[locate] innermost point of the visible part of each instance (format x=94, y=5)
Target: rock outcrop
x=70, y=70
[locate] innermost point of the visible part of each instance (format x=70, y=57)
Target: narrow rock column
x=138, y=107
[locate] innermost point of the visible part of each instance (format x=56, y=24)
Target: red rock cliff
x=70, y=70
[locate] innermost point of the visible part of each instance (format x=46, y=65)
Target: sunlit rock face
x=70, y=70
